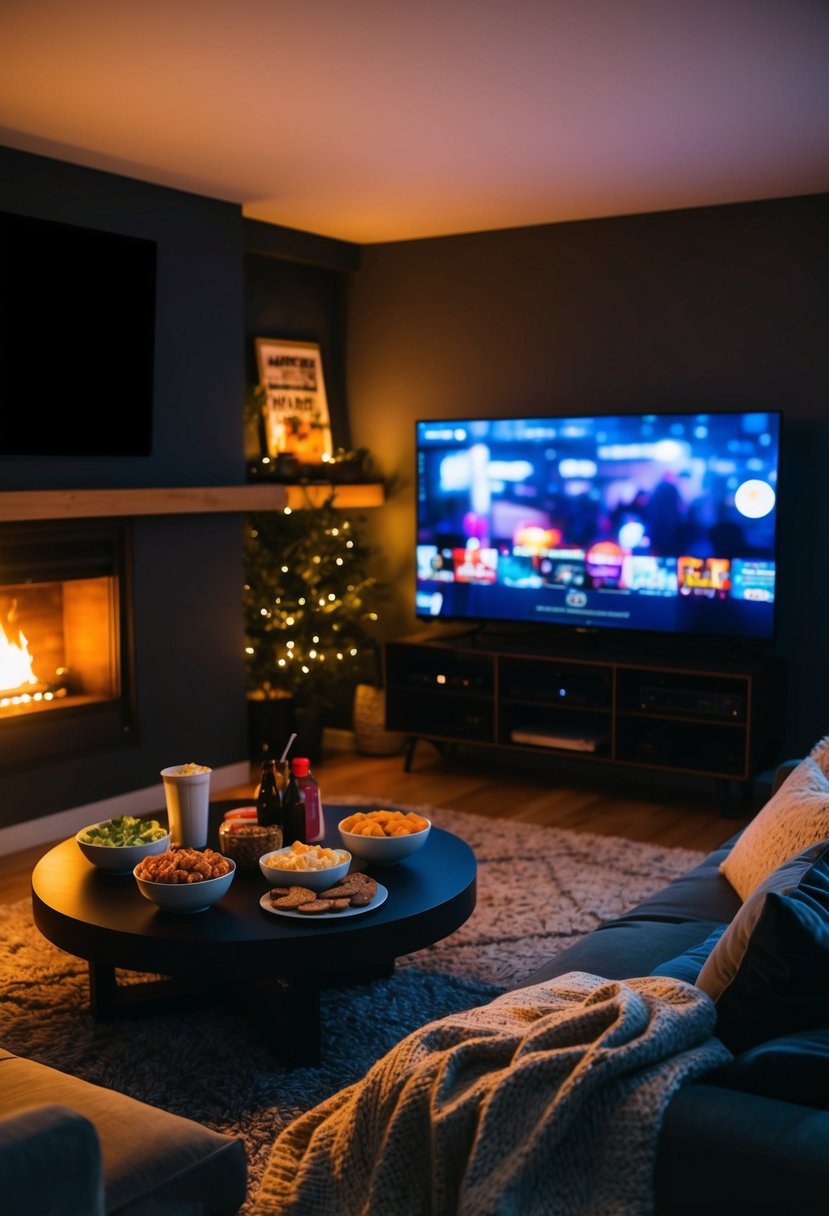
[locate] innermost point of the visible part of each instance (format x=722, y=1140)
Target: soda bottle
x=293, y=813
x=309, y=791
x=268, y=802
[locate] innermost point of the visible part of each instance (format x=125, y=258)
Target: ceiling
x=370, y=120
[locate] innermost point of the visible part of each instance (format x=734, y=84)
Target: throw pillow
x=687, y=966
x=793, y=1068
x=795, y=816
x=767, y=973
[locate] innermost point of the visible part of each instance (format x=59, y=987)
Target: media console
x=679, y=713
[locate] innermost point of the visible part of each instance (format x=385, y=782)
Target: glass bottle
x=293, y=813
x=310, y=793
x=268, y=802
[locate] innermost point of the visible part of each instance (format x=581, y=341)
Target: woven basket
x=369, y=719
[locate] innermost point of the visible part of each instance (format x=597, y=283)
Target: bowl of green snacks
x=119, y=844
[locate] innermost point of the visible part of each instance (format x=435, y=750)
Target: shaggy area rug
x=539, y=890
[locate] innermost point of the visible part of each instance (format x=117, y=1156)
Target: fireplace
x=66, y=678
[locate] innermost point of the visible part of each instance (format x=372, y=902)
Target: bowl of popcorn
x=118, y=844
x=185, y=880
x=384, y=837
x=305, y=865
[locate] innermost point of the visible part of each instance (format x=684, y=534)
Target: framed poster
x=296, y=407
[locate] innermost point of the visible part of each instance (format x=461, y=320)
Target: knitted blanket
x=545, y=1102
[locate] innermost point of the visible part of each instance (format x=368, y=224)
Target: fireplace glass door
x=65, y=661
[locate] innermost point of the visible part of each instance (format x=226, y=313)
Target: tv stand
x=686, y=711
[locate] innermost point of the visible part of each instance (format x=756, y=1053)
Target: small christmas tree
x=309, y=605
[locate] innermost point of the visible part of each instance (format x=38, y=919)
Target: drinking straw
x=288, y=745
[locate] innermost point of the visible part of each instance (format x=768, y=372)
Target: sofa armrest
x=723, y=1151
x=50, y=1163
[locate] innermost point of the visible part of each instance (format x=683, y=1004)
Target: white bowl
x=118, y=859
x=315, y=880
x=187, y=896
x=383, y=850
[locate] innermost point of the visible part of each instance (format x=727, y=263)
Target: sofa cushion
x=623, y=949
x=796, y=816
x=727, y=1153
x=50, y=1161
x=687, y=966
x=702, y=893
x=793, y=1068
x=153, y=1161
x=767, y=973
x=672, y=920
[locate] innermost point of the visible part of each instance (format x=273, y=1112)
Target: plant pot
x=369, y=719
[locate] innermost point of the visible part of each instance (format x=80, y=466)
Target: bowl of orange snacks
x=383, y=837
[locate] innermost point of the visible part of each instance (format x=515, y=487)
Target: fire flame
x=16, y=671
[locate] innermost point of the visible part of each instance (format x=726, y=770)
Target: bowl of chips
x=384, y=837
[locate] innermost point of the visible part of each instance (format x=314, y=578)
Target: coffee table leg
x=291, y=1012
x=102, y=992
x=295, y=1028
x=288, y=1012
x=304, y=1006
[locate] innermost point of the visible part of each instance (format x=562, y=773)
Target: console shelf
x=720, y=720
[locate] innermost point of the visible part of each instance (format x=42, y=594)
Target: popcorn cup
x=187, y=791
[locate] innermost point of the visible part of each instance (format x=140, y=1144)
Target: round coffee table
x=104, y=919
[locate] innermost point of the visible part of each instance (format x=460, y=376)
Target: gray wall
x=713, y=308
x=188, y=569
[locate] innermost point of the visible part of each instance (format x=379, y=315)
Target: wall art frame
x=295, y=412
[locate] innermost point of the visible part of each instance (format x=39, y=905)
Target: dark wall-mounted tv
x=77, y=340
x=661, y=523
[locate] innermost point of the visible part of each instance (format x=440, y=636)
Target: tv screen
x=77, y=335
x=654, y=522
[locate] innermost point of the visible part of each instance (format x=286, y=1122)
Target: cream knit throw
x=545, y=1102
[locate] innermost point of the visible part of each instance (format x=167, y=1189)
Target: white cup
x=187, y=791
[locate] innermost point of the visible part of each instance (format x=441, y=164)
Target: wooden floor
x=674, y=811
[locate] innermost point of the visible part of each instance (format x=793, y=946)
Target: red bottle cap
x=300, y=766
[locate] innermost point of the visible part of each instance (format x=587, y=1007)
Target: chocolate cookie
x=344, y=888
x=352, y=886
x=323, y=905
x=292, y=897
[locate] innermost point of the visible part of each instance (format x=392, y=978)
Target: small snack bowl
x=118, y=844
x=305, y=865
x=245, y=841
x=160, y=879
x=384, y=837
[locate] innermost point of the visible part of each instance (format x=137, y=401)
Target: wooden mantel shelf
x=18, y=505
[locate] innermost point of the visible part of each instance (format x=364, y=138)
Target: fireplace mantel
x=17, y=505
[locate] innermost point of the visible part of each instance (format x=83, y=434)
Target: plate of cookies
x=350, y=896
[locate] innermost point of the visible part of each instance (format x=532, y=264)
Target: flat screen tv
x=77, y=340
x=662, y=523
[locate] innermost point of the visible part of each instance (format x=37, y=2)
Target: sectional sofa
x=752, y=1137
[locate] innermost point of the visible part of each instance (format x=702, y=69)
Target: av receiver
x=702, y=702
